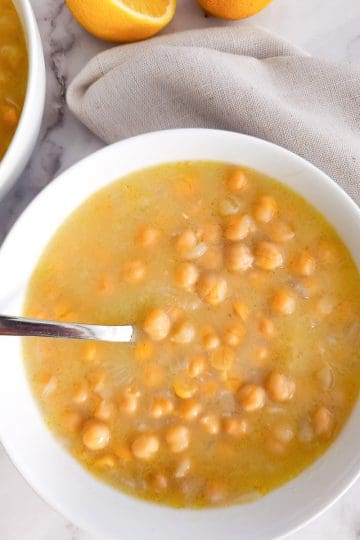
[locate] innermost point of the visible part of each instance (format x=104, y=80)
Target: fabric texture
x=241, y=79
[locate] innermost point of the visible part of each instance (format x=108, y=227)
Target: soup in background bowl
x=22, y=88
x=263, y=382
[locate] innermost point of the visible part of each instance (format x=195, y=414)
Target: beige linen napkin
x=237, y=78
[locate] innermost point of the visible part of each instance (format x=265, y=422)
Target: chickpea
x=145, y=446
x=280, y=387
x=97, y=380
x=122, y=452
x=190, y=410
x=283, y=432
x=275, y=446
x=159, y=482
x=279, y=231
x=234, y=335
x=241, y=309
x=283, y=303
x=251, y=397
x=106, y=462
x=229, y=206
x=222, y=358
x=210, y=339
x=185, y=388
x=237, y=181
x=49, y=384
x=186, y=241
x=238, y=258
x=304, y=265
x=258, y=279
x=265, y=209
x=233, y=384
x=268, y=256
x=238, y=227
x=128, y=401
x=72, y=421
x=135, y=271
x=105, y=410
x=211, y=423
x=197, y=366
x=105, y=285
x=81, y=393
x=261, y=354
x=327, y=252
x=186, y=275
x=323, y=422
x=266, y=327
x=161, y=407
x=96, y=435
x=157, y=324
x=148, y=236
x=183, y=467
x=178, y=438
x=183, y=333
x=212, y=288
x=216, y=492
x=235, y=426
x=209, y=388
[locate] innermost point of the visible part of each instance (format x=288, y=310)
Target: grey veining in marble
x=326, y=28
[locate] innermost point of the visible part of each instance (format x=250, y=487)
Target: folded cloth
x=237, y=78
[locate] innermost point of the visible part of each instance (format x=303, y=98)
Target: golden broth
x=246, y=361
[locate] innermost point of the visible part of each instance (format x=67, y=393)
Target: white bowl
x=23, y=142
x=56, y=476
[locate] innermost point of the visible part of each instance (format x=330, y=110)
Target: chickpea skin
x=178, y=438
x=283, y=303
x=96, y=435
x=234, y=335
x=185, y=388
x=237, y=181
x=268, y=256
x=135, y=271
x=280, y=387
x=148, y=236
x=81, y=393
x=323, y=422
x=183, y=467
x=186, y=275
x=212, y=288
x=238, y=227
x=145, y=446
x=159, y=482
x=105, y=410
x=157, y=324
x=241, y=309
x=238, y=258
x=251, y=397
x=265, y=209
x=266, y=327
x=210, y=339
x=128, y=401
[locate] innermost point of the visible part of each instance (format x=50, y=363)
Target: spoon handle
x=21, y=326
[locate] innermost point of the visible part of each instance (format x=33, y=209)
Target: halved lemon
x=233, y=9
x=123, y=20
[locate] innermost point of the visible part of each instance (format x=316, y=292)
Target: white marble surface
x=326, y=28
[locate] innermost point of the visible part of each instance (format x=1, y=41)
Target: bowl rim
x=149, y=139
x=27, y=131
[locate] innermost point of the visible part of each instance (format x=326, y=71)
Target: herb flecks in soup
x=13, y=72
x=246, y=362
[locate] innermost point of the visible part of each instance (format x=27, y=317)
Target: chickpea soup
x=246, y=360
x=13, y=72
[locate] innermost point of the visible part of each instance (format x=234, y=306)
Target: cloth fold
x=237, y=78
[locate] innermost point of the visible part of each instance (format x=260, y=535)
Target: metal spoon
x=21, y=326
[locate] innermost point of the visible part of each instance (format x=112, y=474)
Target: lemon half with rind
x=122, y=20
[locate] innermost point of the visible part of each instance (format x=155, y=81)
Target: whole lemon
x=233, y=9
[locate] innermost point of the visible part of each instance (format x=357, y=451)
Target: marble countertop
x=325, y=28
